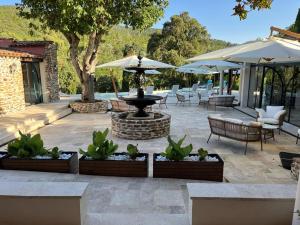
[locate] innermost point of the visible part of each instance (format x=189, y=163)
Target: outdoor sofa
x=221, y=100
x=235, y=129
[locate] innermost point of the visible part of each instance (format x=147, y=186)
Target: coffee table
x=268, y=131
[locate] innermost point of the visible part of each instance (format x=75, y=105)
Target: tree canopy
x=181, y=37
x=296, y=26
x=243, y=7
x=76, y=19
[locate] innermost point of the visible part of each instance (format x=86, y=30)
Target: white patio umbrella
x=195, y=70
x=139, y=64
x=217, y=65
x=134, y=62
x=270, y=50
x=213, y=65
x=148, y=72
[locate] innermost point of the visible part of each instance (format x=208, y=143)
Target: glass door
x=32, y=83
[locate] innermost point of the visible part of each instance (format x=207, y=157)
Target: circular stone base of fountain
x=89, y=107
x=140, y=128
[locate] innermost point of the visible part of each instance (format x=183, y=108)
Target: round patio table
x=268, y=131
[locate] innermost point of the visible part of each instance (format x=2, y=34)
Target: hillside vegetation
x=12, y=26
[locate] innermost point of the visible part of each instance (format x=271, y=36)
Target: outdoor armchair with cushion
x=235, y=129
x=273, y=115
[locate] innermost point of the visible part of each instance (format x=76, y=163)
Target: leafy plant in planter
x=26, y=152
x=202, y=154
x=133, y=151
x=175, y=151
x=101, y=148
x=28, y=146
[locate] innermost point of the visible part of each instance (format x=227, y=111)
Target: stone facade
x=11, y=85
x=51, y=72
x=136, y=129
x=83, y=107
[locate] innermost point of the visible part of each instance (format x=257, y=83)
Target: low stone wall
x=134, y=129
x=82, y=107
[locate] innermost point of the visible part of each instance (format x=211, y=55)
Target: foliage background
x=119, y=42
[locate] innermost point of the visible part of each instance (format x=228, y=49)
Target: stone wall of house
x=11, y=85
x=51, y=72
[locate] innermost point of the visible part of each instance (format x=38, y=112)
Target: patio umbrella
x=140, y=65
x=217, y=66
x=213, y=65
x=136, y=63
x=195, y=70
x=270, y=50
x=148, y=72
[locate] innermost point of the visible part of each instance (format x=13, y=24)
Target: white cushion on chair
x=268, y=121
x=272, y=110
x=299, y=131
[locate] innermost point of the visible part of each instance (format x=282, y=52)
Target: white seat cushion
x=268, y=121
x=299, y=131
x=232, y=120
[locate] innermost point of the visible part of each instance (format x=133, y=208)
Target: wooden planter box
x=2, y=153
x=194, y=170
x=120, y=168
x=43, y=165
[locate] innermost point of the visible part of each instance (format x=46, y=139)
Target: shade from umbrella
x=134, y=62
x=213, y=65
x=148, y=72
x=270, y=50
x=195, y=70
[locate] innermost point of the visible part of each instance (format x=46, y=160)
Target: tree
x=296, y=26
x=182, y=37
x=244, y=6
x=77, y=19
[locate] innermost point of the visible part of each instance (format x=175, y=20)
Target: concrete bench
x=42, y=203
x=236, y=204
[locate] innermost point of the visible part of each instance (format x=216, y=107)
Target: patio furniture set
x=262, y=129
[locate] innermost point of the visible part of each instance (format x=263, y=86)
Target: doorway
x=32, y=83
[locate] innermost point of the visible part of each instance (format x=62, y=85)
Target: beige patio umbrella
x=270, y=50
x=133, y=62
x=148, y=72
x=214, y=65
x=139, y=64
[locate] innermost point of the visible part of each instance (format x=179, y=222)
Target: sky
x=215, y=15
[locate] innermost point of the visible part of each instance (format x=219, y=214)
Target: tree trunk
x=87, y=85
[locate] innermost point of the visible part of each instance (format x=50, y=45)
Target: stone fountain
x=141, y=125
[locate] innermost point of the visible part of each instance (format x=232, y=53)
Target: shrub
x=101, y=148
x=202, y=154
x=133, y=151
x=175, y=152
x=28, y=146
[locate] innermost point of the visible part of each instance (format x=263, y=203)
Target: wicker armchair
x=181, y=99
x=236, y=130
x=273, y=115
x=221, y=100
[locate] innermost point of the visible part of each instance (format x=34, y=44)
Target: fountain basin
x=140, y=129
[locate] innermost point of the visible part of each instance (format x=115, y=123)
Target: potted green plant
x=101, y=159
x=178, y=162
x=28, y=153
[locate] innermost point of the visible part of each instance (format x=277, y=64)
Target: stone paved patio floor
x=143, y=201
